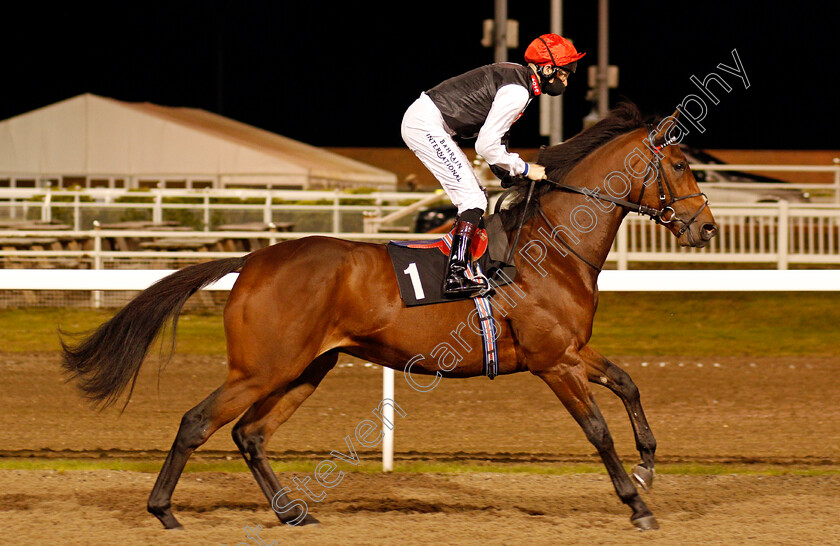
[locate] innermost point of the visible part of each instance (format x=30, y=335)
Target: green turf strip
x=644, y=323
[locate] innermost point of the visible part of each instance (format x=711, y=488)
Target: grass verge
x=308, y=466
x=717, y=323
x=659, y=323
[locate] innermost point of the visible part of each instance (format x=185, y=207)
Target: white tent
x=90, y=139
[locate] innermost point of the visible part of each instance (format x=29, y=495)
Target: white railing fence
x=80, y=207
x=203, y=208
x=778, y=234
x=769, y=233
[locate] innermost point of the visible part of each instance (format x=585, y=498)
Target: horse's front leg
x=568, y=380
x=603, y=372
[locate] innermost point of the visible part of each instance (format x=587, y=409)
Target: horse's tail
x=107, y=360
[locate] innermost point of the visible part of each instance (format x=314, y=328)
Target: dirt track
x=727, y=410
x=107, y=507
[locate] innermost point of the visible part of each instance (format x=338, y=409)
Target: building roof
x=89, y=135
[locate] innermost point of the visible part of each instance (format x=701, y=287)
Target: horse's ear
x=660, y=135
x=657, y=137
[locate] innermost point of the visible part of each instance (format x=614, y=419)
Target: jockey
x=482, y=103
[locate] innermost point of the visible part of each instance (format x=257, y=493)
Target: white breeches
x=425, y=133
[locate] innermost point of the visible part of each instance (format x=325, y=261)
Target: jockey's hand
x=535, y=171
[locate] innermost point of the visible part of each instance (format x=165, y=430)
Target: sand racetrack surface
x=769, y=413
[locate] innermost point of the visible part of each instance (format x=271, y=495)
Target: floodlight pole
x=603, y=58
x=500, y=53
x=555, y=122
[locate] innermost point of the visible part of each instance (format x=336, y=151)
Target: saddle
x=421, y=265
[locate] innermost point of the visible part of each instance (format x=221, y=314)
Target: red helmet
x=552, y=49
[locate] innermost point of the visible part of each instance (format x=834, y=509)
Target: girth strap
x=489, y=335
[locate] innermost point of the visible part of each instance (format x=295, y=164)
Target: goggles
x=548, y=72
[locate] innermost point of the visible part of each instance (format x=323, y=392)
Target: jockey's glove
x=534, y=171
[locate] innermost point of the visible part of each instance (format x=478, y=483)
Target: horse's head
x=621, y=160
x=670, y=187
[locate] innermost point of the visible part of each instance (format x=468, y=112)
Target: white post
x=371, y=226
x=46, y=208
x=157, y=210
x=622, y=245
x=97, y=261
x=782, y=235
x=370, y=219
x=388, y=417
x=336, y=211
x=12, y=201
x=267, y=216
x=77, y=213
x=206, y=210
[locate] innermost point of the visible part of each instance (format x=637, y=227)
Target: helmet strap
x=540, y=38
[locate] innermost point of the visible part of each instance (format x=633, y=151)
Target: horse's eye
x=679, y=167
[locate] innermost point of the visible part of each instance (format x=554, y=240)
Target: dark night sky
x=343, y=75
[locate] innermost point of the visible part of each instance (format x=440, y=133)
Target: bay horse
x=296, y=305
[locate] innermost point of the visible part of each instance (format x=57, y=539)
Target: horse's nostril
x=709, y=231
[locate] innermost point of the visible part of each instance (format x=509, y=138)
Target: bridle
x=667, y=198
x=663, y=183
x=666, y=202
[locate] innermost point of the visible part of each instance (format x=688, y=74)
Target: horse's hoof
x=171, y=524
x=308, y=520
x=168, y=520
x=643, y=477
x=646, y=523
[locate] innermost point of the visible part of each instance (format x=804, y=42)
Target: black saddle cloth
x=421, y=265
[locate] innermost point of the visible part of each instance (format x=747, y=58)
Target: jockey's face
x=553, y=80
x=552, y=72
x=563, y=76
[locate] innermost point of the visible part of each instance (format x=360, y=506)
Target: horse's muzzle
x=708, y=231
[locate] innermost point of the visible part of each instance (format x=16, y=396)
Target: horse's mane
x=560, y=159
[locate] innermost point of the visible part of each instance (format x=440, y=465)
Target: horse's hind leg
x=256, y=427
x=603, y=372
x=197, y=425
x=569, y=383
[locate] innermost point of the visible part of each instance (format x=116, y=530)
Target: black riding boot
x=456, y=282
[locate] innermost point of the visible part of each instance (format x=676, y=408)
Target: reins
x=660, y=215
x=556, y=237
